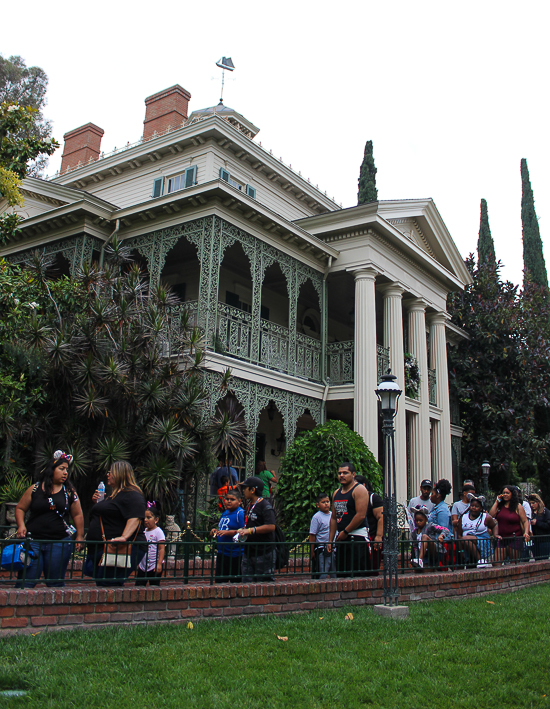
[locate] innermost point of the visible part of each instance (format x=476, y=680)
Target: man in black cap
x=258, y=533
x=426, y=487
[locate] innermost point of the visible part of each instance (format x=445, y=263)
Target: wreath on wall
x=412, y=377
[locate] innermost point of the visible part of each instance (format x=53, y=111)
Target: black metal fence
x=194, y=557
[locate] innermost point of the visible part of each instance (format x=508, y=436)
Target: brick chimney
x=81, y=144
x=167, y=109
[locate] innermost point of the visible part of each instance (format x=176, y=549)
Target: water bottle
x=101, y=490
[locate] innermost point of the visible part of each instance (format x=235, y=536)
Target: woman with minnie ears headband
x=50, y=501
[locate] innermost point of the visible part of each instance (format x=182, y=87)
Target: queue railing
x=192, y=557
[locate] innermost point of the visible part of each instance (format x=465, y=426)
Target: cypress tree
x=533, y=258
x=485, y=243
x=367, y=177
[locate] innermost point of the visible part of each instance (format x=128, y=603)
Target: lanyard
x=251, y=510
x=53, y=507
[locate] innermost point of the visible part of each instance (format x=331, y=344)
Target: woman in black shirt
x=117, y=519
x=50, y=501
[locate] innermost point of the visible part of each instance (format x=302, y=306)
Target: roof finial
x=225, y=63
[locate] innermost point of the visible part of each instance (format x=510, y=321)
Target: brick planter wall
x=25, y=611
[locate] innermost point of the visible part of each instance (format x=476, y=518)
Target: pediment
x=410, y=228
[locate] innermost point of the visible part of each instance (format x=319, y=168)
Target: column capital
x=417, y=305
x=391, y=290
x=367, y=273
x=439, y=318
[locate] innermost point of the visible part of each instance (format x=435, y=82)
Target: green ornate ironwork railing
x=340, y=361
x=383, y=360
x=432, y=386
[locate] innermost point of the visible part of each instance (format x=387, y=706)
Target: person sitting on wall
x=473, y=528
x=434, y=544
x=460, y=506
x=422, y=500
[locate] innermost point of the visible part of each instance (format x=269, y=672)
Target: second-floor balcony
x=273, y=347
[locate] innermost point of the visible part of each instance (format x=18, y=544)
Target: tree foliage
x=501, y=374
x=533, y=257
x=85, y=367
x=485, y=243
x=19, y=145
x=367, y=177
x=27, y=86
x=310, y=466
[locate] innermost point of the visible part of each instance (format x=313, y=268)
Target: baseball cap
x=254, y=482
x=426, y=483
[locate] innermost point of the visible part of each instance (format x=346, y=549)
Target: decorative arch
x=254, y=397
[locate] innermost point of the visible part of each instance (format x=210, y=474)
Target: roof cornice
x=354, y=220
x=194, y=135
x=149, y=216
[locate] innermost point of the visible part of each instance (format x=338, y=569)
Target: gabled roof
x=414, y=225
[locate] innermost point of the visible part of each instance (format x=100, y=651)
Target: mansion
x=307, y=303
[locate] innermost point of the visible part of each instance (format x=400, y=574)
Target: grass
x=481, y=652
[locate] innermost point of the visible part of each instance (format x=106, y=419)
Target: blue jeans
x=52, y=558
x=325, y=566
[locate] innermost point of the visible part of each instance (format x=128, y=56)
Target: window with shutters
x=158, y=186
x=226, y=176
x=181, y=182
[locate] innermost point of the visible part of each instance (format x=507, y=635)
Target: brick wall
x=25, y=611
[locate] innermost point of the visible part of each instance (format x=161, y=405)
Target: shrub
x=310, y=466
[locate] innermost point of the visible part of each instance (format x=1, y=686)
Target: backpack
x=281, y=549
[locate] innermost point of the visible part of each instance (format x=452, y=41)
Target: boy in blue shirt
x=322, y=562
x=228, y=559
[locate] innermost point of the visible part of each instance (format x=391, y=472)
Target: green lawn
x=447, y=655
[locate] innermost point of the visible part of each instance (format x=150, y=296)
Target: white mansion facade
x=305, y=302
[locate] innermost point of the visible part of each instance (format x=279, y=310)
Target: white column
x=420, y=447
x=393, y=340
x=442, y=432
x=365, y=405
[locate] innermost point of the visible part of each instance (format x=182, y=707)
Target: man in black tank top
x=349, y=508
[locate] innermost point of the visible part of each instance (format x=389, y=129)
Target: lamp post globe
x=485, y=468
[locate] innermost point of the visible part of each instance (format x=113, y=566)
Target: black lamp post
x=388, y=394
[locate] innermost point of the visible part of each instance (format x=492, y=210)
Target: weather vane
x=225, y=63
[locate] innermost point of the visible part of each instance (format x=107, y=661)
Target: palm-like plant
x=109, y=386
x=228, y=430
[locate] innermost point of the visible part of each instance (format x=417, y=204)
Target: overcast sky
x=452, y=95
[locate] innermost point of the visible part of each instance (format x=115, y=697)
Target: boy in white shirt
x=322, y=562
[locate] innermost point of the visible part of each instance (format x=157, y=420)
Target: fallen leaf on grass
x=349, y=616
x=283, y=638
x=491, y=602
x=35, y=634
x=190, y=625
x=321, y=617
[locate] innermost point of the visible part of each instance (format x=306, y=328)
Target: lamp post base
x=391, y=611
